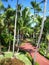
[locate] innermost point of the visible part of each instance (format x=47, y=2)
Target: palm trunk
x=18, y=41
x=14, y=40
x=42, y=26
x=0, y=46
x=22, y=36
x=9, y=45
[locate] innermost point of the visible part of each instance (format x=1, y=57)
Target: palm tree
x=42, y=26
x=35, y=6
x=1, y=19
x=1, y=7
x=37, y=9
x=26, y=22
x=23, y=23
x=14, y=40
x=8, y=20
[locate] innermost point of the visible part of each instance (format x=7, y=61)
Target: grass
x=8, y=54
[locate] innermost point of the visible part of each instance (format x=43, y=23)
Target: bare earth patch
x=9, y=61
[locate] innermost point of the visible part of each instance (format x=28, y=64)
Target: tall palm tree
x=1, y=7
x=8, y=20
x=42, y=26
x=37, y=9
x=1, y=19
x=35, y=6
x=14, y=40
x=18, y=25
x=23, y=22
x=1, y=27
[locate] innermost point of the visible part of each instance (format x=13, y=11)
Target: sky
x=26, y=3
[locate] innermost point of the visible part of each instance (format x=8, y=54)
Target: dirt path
x=40, y=59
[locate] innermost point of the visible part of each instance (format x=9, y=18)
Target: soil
x=9, y=61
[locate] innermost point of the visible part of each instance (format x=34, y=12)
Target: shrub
x=8, y=54
x=4, y=49
x=47, y=56
x=43, y=50
x=22, y=51
x=36, y=63
x=29, y=56
x=23, y=58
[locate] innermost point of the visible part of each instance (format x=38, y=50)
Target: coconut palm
x=42, y=26
x=35, y=6
x=37, y=9
x=26, y=22
x=1, y=7
x=8, y=20
x=23, y=22
x=1, y=27
x=14, y=40
x=1, y=19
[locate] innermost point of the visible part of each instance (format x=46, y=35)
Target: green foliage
x=47, y=24
x=1, y=6
x=29, y=56
x=23, y=58
x=8, y=54
x=26, y=58
x=43, y=50
x=6, y=37
x=4, y=49
x=20, y=56
x=36, y=6
x=43, y=45
x=36, y=63
x=9, y=12
x=47, y=36
x=47, y=56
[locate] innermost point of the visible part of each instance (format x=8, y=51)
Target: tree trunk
x=18, y=41
x=42, y=26
x=14, y=40
x=0, y=46
x=9, y=45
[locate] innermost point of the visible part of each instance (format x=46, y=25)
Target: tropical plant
x=42, y=26
x=14, y=40
x=35, y=6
